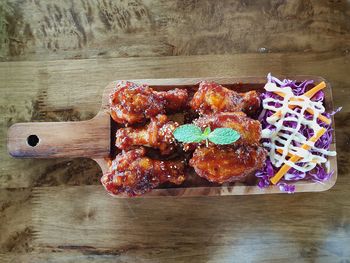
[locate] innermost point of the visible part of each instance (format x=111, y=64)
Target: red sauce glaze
x=249, y=129
x=156, y=134
x=251, y=102
x=227, y=164
x=175, y=99
x=132, y=103
x=132, y=173
x=212, y=97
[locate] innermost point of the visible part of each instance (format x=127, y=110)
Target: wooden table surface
x=57, y=57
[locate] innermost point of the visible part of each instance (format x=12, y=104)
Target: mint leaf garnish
x=206, y=132
x=223, y=136
x=191, y=133
x=188, y=133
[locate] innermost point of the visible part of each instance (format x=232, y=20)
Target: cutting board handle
x=60, y=139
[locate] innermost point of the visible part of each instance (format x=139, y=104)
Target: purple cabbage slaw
x=318, y=174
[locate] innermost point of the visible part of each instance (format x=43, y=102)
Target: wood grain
x=89, y=138
x=61, y=139
x=15, y=220
x=42, y=30
x=288, y=38
x=71, y=91
x=253, y=225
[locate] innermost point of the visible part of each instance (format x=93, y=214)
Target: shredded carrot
x=308, y=94
x=285, y=168
x=279, y=93
x=290, y=154
x=281, y=152
x=320, y=116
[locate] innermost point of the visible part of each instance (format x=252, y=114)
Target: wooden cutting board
x=95, y=138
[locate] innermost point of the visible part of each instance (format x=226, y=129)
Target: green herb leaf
x=206, y=132
x=223, y=136
x=205, y=135
x=188, y=133
x=191, y=133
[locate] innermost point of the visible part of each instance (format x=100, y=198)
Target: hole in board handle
x=33, y=140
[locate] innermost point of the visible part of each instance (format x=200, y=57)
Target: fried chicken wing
x=227, y=164
x=212, y=97
x=132, y=173
x=132, y=103
x=249, y=129
x=175, y=99
x=157, y=134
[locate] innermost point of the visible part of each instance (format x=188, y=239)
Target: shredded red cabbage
x=318, y=174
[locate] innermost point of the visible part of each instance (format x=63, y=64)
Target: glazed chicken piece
x=132, y=173
x=212, y=97
x=157, y=134
x=227, y=164
x=132, y=103
x=249, y=129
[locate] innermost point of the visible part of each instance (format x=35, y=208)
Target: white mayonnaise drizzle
x=282, y=137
